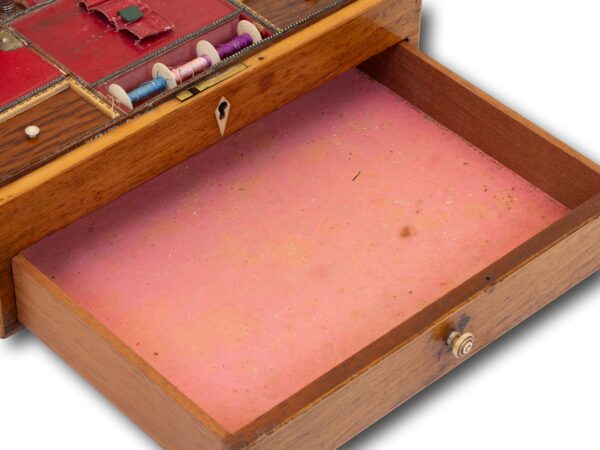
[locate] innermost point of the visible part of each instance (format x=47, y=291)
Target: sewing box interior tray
x=301, y=278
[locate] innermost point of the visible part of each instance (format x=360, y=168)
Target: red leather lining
x=23, y=71
x=110, y=9
x=90, y=47
x=151, y=24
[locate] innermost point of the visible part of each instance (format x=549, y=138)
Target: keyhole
x=222, y=109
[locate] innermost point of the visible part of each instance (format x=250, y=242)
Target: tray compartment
x=63, y=115
x=28, y=73
x=521, y=277
x=173, y=58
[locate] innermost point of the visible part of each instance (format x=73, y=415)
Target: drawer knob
x=461, y=343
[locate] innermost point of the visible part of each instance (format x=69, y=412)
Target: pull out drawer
x=300, y=279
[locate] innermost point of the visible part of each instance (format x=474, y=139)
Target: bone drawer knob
x=32, y=131
x=461, y=343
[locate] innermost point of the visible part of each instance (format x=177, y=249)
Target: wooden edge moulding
x=61, y=86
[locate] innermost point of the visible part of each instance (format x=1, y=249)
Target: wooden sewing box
x=281, y=250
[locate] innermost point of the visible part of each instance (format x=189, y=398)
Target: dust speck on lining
x=406, y=232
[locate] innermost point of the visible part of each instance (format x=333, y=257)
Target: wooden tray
x=431, y=237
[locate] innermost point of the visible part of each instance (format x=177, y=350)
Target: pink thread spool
x=207, y=57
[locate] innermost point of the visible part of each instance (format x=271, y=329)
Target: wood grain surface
x=96, y=173
x=503, y=134
x=114, y=369
x=8, y=308
x=283, y=13
x=62, y=118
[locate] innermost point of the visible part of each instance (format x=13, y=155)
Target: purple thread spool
x=247, y=34
x=237, y=44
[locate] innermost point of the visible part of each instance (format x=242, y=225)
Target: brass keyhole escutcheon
x=461, y=343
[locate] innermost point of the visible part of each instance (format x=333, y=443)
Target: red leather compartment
x=23, y=71
x=89, y=46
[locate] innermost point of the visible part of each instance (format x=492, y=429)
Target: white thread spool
x=120, y=95
x=245, y=26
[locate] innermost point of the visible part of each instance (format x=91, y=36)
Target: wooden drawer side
x=506, y=136
x=112, y=368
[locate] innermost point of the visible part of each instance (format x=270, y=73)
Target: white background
x=538, y=387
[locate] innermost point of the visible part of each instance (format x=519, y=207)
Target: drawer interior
x=252, y=269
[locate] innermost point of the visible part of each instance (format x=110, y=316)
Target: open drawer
x=300, y=279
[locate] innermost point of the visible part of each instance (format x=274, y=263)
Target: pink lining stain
x=252, y=269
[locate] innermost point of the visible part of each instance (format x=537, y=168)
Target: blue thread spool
x=147, y=89
x=140, y=93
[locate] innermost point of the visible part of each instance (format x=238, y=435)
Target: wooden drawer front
x=335, y=417
x=425, y=357
x=112, y=368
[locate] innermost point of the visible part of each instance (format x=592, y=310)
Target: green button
x=131, y=14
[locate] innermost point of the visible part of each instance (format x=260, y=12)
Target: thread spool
x=145, y=90
x=207, y=56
